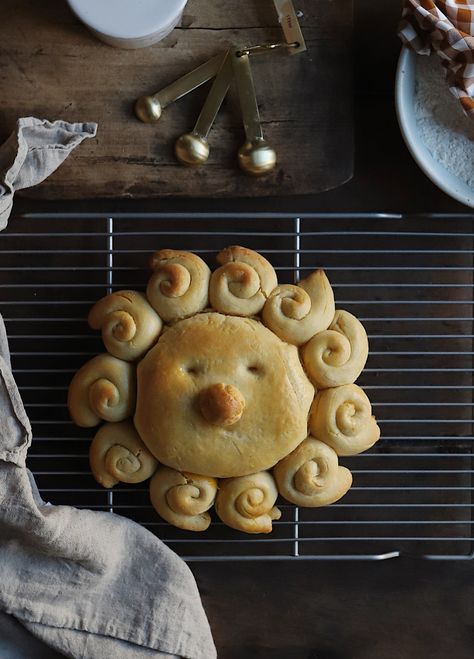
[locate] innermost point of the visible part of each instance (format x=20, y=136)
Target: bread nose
x=221, y=404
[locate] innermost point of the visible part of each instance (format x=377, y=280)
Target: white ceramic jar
x=129, y=23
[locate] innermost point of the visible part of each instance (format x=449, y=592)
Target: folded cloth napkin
x=16, y=642
x=34, y=151
x=446, y=27
x=92, y=585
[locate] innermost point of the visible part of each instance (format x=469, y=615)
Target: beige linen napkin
x=90, y=584
x=34, y=151
x=16, y=642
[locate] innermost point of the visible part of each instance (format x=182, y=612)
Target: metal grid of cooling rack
x=410, y=281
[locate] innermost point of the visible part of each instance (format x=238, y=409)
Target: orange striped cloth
x=446, y=27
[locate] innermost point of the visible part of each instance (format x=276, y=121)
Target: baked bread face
x=221, y=396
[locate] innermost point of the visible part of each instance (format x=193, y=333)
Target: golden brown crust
x=338, y=355
x=297, y=313
x=212, y=349
x=130, y=326
x=248, y=503
x=223, y=394
x=104, y=388
x=310, y=476
x=221, y=404
x=117, y=454
x=183, y=499
x=342, y=418
x=179, y=287
x=243, y=282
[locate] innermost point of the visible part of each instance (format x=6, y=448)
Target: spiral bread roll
x=117, y=454
x=342, y=418
x=104, y=388
x=311, y=475
x=247, y=503
x=130, y=326
x=241, y=286
x=338, y=355
x=183, y=499
x=297, y=313
x=179, y=287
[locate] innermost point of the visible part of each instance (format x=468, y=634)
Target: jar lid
x=128, y=19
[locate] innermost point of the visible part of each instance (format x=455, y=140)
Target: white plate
x=129, y=23
x=405, y=107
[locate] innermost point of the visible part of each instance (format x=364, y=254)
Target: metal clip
x=265, y=48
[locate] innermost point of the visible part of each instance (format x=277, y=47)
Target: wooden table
x=399, y=609
x=52, y=67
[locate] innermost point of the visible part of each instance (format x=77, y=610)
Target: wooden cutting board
x=52, y=67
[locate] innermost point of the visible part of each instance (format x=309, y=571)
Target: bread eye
x=192, y=369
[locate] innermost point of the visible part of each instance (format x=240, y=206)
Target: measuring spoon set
x=256, y=156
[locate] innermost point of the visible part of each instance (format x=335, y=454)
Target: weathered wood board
x=52, y=67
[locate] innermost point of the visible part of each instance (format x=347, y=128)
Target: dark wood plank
x=51, y=66
x=394, y=609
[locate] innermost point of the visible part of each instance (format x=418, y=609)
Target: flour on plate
x=445, y=130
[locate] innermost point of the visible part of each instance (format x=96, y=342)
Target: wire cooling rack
x=410, y=281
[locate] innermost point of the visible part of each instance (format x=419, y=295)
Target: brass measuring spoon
x=192, y=148
x=149, y=108
x=256, y=156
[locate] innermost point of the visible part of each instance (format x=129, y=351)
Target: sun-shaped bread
x=226, y=389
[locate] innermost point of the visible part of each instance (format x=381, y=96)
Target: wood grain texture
x=52, y=67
